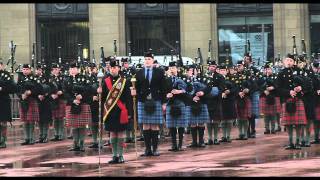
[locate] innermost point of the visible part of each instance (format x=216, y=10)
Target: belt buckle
x=149, y=97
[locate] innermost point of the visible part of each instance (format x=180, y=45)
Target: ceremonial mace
x=133, y=81
x=100, y=76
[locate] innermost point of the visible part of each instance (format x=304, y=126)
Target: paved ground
x=263, y=156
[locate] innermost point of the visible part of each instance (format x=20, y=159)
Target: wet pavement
x=262, y=156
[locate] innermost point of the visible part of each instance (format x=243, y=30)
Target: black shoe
x=216, y=142
x=307, y=145
x=173, y=148
x=192, y=145
x=210, y=142
x=56, y=138
x=223, y=139
x=89, y=135
x=127, y=141
x=180, y=148
x=140, y=139
x=316, y=141
x=107, y=144
x=303, y=143
x=3, y=146
x=267, y=132
x=253, y=135
x=74, y=149
x=26, y=142
x=273, y=132
x=40, y=140
x=44, y=140
x=241, y=137
x=82, y=149
x=201, y=145
x=229, y=140
x=279, y=129
x=94, y=145
x=290, y=146
x=297, y=146
x=114, y=160
x=120, y=159
x=70, y=137
x=147, y=153
x=155, y=153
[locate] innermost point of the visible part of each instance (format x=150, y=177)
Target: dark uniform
x=29, y=109
x=316, y=87
x=151, y=95
x=293, y=110
x=269, y=103
x=44, y=105
x=78, y=116
x=175, y=109
x=58, y=105
x=7, y=86
x=118, y=118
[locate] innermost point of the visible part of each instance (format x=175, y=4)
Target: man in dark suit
x=151, y=96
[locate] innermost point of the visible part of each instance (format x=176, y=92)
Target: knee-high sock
x=209, y=127
x=173, y=133
x=32, y=132
x=147, y=139
x=95, y=131
x=26, y=130
x=201, y=134
x=290, y=133
x=278, y=120
x=155, y=139
x=114, y=143
x=120, y=146
x=194, y=134
x=267, y=122
x=307, y=138
x=228, y=128
x=215, y=130
x=316, y=129
x=82, y=134
x=245, y=127
x=273, y=123
x=180, y=132
x=128, y=135
x=302, y=132
x=224, y=128
x=75, y=134
x=240, y=127
x=298, y=133
x=56, y=127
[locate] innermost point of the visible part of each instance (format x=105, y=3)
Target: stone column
x=214, y=32
x=18, y=25
x=106, y=23
x=195, y=25
x=288, y=20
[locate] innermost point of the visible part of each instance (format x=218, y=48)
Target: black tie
x=147, y=77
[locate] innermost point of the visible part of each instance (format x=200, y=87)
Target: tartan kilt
x=255, y=104
x=78, y=120
x=60, y=112
x=201, y=119
x=32, y=115
x=299, y=117
x=180, y=121
x=245, y=112
x=267, y=109
x=317, y=110
x=155, y=118
x=278, y=105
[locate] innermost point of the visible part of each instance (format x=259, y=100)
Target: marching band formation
x=181, y=98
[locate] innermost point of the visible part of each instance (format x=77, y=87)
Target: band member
x=243, y=101
x=7, y=87
x=269, y=100
x=44, y=104
x=214, y=80
x=228, y=92
x=308, y=99
x=29, y=109
x=290, y=87
x=128, y=72
x=94, y=105
x=197, y=110
x=254, y=76
x=78, y=93
x=316, y=86
x=176, y=110
x=117, y=100
x=58, y=103
x=151, y=96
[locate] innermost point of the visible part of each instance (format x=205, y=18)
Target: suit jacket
x=157, y=86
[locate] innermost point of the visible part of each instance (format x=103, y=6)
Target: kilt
x=180, y=121
x=215, y=115
x=32, y=115
x=155, y=118
x=255, y=103
x=78, y=120
x=60, y=112
x=317, y=110
x=201, y=119
x=278, y=105
x=245, y=112
x=299, y=117
x=267, y=109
